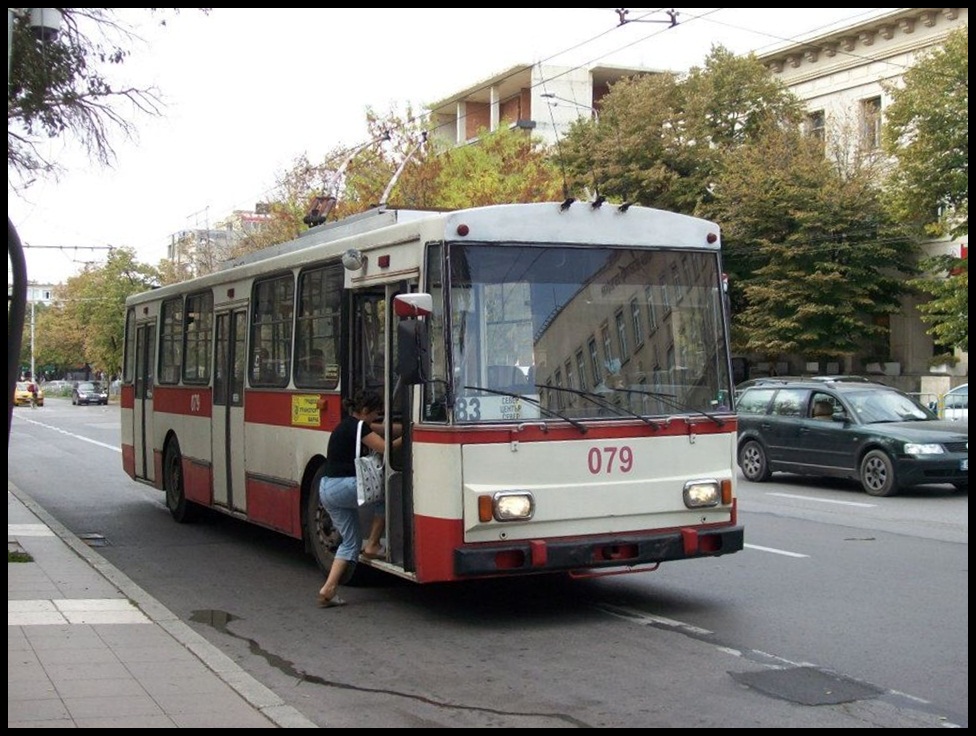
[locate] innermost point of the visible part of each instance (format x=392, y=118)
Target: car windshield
x=87, y=387
x=886, y=406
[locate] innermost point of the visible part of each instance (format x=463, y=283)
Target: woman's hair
x=363, y=400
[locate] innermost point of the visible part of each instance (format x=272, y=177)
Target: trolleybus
x=560, y=373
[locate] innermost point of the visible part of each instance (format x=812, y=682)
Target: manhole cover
x=93, y=540
x=807, y=686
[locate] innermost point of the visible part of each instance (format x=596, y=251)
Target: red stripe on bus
x=129, y=460
x=533, y=432
x=275, y=505
x=198, y=481
x=275, y=408
x=127, y=397
x=191, y=401
x=434, y=547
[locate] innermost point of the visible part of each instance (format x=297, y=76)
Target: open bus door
x=372, y=347
x=142, y=407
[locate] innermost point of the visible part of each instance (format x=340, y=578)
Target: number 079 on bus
x=559, y=375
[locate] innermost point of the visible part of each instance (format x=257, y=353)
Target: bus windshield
x=543, y=331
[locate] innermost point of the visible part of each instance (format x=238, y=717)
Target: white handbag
x=369, y=473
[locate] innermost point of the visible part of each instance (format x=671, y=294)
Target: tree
x=501, y=167
x=817, y=261
x=60, y=86
x=948, y=310
x=926, y=131
x=91, y=306
x=660, y=139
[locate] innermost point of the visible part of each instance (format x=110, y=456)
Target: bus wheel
x=323, y=538
x=176, y=502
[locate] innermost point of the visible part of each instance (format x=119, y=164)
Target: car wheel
x=179, y=508
x=878, y=474
x=321, y=537
x=752, y=460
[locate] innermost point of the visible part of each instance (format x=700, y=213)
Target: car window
x=822, y=406
x=754, y=401
x=790, y=402
x=886, y=406
x=958, y=398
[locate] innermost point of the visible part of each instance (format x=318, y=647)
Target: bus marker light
x=513, y=506
x=484, y=508
x=701, y=493
x=463, y=229
x=726, y=491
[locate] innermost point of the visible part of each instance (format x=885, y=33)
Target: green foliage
x=503, y=166
x=926, y=130
x=948, y=310
x=87, y=322
x=63, y=86
x=812, y=258
x=660, y=140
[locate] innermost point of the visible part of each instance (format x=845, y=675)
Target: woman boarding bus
x=560, y=375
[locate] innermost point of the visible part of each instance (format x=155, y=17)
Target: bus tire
x=179, y=508
x=321, y=536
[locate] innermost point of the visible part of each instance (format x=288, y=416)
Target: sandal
x=374, y=555
x=324, y=602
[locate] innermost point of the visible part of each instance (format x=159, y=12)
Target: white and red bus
x=561, y=373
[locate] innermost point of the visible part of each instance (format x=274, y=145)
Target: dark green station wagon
x=868, y=432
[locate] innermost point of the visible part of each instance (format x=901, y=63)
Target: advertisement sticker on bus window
x=305, y=410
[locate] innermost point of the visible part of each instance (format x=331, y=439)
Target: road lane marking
x=72, y=434
x=774, y=551
x=824, y=500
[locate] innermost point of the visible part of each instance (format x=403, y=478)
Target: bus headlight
x=506, y=506
x=701, y=493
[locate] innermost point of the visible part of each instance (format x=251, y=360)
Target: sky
x=246, y=92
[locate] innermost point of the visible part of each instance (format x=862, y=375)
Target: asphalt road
x=837, y=596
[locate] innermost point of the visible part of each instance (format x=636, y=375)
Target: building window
x=871, y=123
x=621, y=325
x=595, y=362
x=816, y=124
x=651, y=311
x=581, y=368
x=635, y=321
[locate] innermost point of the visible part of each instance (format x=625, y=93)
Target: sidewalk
x=88, y=648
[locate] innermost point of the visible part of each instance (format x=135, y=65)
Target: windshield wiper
x=581, y=427
x=671, y=401
x=603, y=402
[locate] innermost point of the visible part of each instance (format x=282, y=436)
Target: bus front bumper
x=572, y=554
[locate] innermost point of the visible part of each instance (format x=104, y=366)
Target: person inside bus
x=337, y=492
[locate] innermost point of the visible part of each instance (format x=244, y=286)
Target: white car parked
x=955, y=404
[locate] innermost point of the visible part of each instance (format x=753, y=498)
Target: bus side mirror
x=413, y=352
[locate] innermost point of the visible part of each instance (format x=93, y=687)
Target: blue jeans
x=338, y=497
